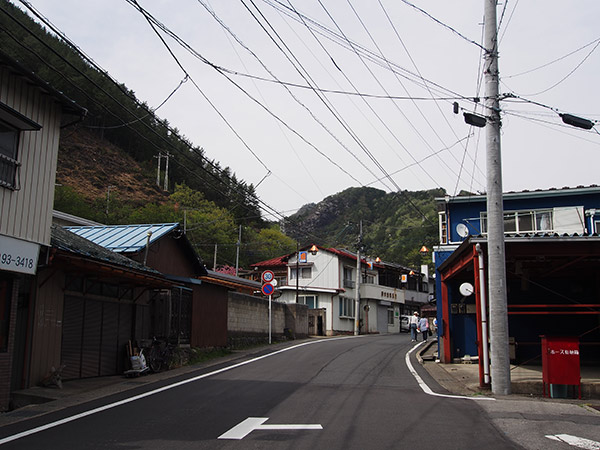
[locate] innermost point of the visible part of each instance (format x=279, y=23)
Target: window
x=346, y=307
x=390, y=317
x=312, y=301
x=443, y=229
x=368, y=278
x=9, y=142
x=348, y=278
x=529, y=221
x=305, y=273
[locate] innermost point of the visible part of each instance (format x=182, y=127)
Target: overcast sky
x=314, y=144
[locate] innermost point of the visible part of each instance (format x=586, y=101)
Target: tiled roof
x=275, y=262
x=124, y=238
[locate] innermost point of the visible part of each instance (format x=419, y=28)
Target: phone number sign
x=18, y=256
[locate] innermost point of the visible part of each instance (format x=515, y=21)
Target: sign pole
x=270, y=319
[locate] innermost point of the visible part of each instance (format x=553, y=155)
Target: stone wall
x=248, y=320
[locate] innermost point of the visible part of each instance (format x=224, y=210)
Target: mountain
x=108, y=164
x=395, y=225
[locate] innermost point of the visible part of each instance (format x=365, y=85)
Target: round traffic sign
x=268, y=276
x=267, y=289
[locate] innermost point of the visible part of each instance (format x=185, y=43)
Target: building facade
x=31, y=116
x=325, y=279
x=552, y=254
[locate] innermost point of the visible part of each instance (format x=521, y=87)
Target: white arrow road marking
x=244, y=428
x=575, y=441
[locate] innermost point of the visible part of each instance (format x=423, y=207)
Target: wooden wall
x=47, y=325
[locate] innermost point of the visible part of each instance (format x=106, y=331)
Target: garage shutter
x=95, y=334
x=109, y=347
x=71, y=340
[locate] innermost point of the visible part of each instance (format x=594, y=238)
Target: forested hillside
x=395, y=226
x=107, y=172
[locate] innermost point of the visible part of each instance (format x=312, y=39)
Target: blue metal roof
x=124, y=238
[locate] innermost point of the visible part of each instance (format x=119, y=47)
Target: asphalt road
x=349, y=393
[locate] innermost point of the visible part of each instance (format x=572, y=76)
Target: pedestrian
x=414, y=323
x=435, y=327
x=424, y=327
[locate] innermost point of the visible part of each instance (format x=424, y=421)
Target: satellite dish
x=462, y=230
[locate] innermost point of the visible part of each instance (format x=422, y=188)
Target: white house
x=325, y=280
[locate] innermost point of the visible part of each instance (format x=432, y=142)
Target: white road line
x=575, y=441
x=57, y=423
x=426, y=388
x=244, y=428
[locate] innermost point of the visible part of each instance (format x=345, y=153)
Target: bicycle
x=159, y=356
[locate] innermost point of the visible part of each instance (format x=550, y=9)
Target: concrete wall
x=248, y=320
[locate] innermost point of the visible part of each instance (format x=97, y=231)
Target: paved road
x=350, y=393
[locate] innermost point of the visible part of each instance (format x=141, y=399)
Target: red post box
x=560, y=362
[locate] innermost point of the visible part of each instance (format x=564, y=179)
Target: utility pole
x=500, y=360
x=166, y=188
x=159, y=157
x=237, y=256
x=297, y=269
x=357, y=287
x=215, y=258
x=108, y=198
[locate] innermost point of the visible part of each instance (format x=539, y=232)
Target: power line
x=331, y=35
x=306, y=76
x=444, y=25
x=44, y=20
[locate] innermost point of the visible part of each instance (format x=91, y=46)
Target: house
x=32, y=114
x=166, y=249
x=552, y=252
x=324, y=279
x=90, y=303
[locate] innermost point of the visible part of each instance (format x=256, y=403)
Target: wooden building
x=32, y=114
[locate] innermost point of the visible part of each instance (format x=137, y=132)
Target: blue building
x=552, y=264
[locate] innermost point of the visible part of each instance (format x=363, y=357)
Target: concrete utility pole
x=166, y=188
x=500, y=360
x=108, y=198
x=357, y=287
x=297, y=269
x=159, y=157
x=237, y=252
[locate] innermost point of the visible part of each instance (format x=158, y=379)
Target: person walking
x=424, y=327
x=414, y=323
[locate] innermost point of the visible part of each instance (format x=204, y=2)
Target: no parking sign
x=267, y=289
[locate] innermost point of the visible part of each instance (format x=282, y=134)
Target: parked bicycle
x=159, y=356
